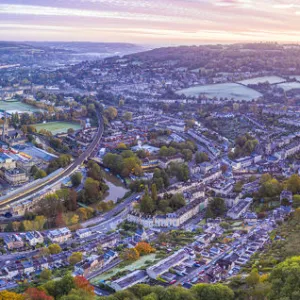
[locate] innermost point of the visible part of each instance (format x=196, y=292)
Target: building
x=59, y=235
x=165, y=161
x=164, y=265
x=236, y=211
x=83, y=233
x=129, y=280
x=16, y=176
x=175, y=219
x=13, y=241
x=89, y=265
x=34, y=238
x=7, y=162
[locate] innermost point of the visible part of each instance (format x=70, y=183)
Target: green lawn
x=57, y=127
x=132, y=267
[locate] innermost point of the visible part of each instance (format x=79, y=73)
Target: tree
x=40, y=174
x=144, y=248
x=285, y=279
x=253, y=278
x=270, y=187
x=111, y=113
x=71, y=203
x=190, y=123
x=46, y=274
x=127, y=116
x=201, y=157
x=130, y=254
x=54, y=249
x=59, y=288
x=75, y=258
x=83, y=284
x=37, y=294
x=187, y=154
x=293, y=184
x=216, y=207
x=76, y=179
x=154, y=192
x=147, y=204
x=212, y=292
x=91, y=190
x=6, y=295
x=44, y=251
x=59, y=221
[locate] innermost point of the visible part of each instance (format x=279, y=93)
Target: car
x=172, y=282
x=197, y=265
x=137, y=197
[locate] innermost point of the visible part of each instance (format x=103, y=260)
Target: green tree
x=293, y=184
x=76, y=179
x=212, y=292
x=154, y=192
x=75, y=258
x=217, y=207
x=46, y=274
x=147, y=205
x=201, y=157
x=253, y=278
x=54, y=249
x=285, y=279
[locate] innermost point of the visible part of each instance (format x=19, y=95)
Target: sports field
x=57, y=127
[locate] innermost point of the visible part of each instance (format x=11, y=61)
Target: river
x=116, y=188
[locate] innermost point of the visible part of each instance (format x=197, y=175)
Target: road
x=90, y=151
x=112, y=213
x=106, y=268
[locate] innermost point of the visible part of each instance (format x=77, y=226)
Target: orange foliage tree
x=6, y=295
x=83, y=284
x=130, y=254
x=36, y=294
x=144, y=248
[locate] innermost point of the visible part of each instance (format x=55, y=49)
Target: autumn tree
x=83, y=284
x=75, y=258
x=144, y=248
x=54, y=249
x=36, y=294
x=6, y=295
x=130, y=254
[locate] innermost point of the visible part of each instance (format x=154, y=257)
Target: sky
x=163, y=22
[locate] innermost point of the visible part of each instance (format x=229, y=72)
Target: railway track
x=65, y=172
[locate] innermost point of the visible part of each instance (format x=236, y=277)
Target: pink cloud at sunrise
x=151, y=21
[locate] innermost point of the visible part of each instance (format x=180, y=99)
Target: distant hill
x=225, y=58
x=44, y=53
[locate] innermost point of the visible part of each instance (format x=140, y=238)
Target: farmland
x=223, y=90
x=257, y=80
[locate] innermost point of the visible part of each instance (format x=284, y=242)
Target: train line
x=14, y=197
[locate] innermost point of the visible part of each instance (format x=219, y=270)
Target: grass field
x=288, y=86
x=12, y=107
x=132, y=267
x=223, y=90
x=57, y=127
x=256, y=80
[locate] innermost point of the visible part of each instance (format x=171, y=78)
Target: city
x=149, y=172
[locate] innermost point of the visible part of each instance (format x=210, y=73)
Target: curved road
x=66, y=172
